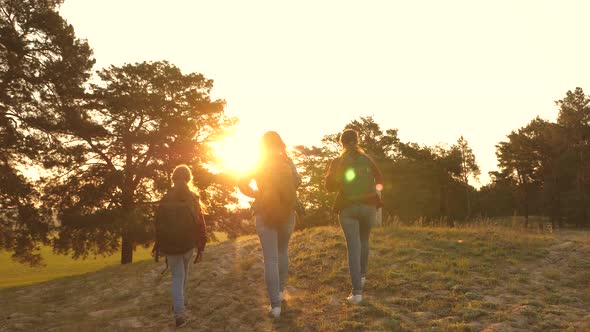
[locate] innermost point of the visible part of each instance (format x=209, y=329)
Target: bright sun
x=238, y=151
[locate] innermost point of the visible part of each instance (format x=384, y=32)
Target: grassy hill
x=439, y=279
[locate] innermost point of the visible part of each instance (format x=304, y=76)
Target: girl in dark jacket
x=178, y=246
x=357, y=179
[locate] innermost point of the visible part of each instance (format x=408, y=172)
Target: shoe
x=281, y=296
x=275, y=312
x=363, y=281
x=354, y=299
x=180, y=321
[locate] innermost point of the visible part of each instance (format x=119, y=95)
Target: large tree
x=574, y=117
x=426, y=178
x=496, y=199
x=527, y=158
x=549, y=162
x=42, y=68
x=119, y=148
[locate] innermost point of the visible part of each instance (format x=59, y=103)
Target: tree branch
x=100, y=153
x=143, y=164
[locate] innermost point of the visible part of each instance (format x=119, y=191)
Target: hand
x=199, y=257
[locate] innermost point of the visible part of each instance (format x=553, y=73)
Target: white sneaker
x=363, y=281
x=275, y=312
x=281, y=296
x=354, y=299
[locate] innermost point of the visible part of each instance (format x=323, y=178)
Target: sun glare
x=237, y=151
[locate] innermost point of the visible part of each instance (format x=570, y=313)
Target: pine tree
x=119, y=148
x=42, y=69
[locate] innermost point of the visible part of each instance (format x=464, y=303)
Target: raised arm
x=244, y=185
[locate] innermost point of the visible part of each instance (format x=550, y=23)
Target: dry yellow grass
x=439, y=279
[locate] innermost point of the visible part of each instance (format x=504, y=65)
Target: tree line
x=85, y=155
x=543, y=170
x=545, y=165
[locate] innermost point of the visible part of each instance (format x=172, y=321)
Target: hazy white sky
x=433, y=69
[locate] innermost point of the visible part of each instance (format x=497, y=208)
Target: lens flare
x=349, y=175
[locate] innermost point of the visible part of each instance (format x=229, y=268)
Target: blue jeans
x=356, y=221
x=275, y=243
x=179, y=265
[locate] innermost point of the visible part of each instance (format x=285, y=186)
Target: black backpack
x=176, y=225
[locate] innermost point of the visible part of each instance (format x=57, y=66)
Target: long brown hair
x=182, y=180
x=182, y=177
x=349, y=139
x=272, y=146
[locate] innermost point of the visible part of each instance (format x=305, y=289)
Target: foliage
x=574, y=118
x=420, y=181
x=548, y=163
x=119, y=148
x=469, y=168
x=312, y=163
x=42, y=68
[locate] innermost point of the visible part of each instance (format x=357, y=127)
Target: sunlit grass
x=420, y=278
x=56, y=266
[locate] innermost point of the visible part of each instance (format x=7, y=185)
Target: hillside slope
x=419, y=279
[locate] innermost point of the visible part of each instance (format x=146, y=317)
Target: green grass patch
x=56, y=266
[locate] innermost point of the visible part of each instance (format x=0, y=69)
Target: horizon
x=307, y=69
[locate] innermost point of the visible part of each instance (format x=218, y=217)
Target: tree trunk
x=525, y=206
x=554, y=214
x=126, y=234
x=126, y=226
x=127, y=206
x=525, y=201
x=526, y=213
x=444, y=205
x=126, y=247
x=584, y=214
x=468, y=216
